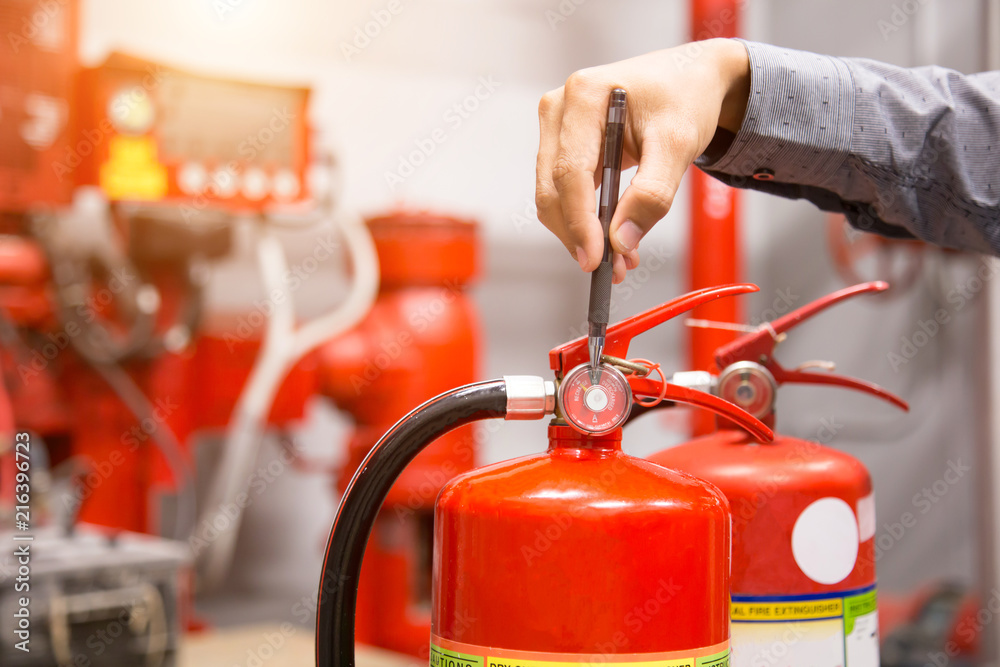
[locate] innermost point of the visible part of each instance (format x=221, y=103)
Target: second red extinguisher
x=803, y=577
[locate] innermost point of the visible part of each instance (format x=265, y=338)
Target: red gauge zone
x=595, y=408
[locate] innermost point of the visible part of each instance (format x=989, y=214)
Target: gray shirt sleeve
x=902, y=152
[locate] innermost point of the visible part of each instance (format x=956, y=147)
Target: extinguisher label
x=829, y=630
x=447, y=653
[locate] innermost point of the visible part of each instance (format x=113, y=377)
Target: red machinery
x=175, y=154
x=37, y=75
x=151, y=133
x=803, y=514
x=37, y=71
x=420, y=338
x=581, y=554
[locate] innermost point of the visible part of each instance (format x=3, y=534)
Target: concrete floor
x=274, y=645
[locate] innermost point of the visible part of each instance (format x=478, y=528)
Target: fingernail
x=581, y=257
x=629, y=235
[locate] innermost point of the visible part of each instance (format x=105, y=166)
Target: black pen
x=600, y=279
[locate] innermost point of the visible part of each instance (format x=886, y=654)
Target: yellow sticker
x=447, y=653
x=586, y=659
x=786, y=611
x=132, y=170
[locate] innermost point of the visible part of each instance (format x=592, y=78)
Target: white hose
x=364, y=259
x=283, y=346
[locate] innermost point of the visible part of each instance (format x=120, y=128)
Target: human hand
x=677, y=98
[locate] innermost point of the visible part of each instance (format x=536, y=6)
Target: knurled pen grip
x=600, y=294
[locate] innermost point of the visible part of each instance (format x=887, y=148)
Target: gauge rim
x=566, y=383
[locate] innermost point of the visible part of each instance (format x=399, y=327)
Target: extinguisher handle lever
x=758, y=346
x=799, y=315
x=573, y=353
x=783, y=376
x=760, y=343
x=648, y=387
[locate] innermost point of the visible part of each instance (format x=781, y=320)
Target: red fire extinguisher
x=803, y=577
x=581, y=554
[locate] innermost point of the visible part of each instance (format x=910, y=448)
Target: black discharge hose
x=338, y=588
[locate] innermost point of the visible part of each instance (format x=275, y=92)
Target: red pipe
x=714, y=230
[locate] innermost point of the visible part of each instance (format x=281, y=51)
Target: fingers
x=631, y=259
x=555, y=178
x=649, y=196
x=579, y=153
x=618, y=269
x=571, y=126
x=546, y=197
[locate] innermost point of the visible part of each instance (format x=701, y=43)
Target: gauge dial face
x=595, y=408
x=748, y=386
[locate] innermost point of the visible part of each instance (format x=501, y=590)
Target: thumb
x=648, y=197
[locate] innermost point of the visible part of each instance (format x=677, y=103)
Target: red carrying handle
x=646, y=386
x=570, y=355
x=758, y=346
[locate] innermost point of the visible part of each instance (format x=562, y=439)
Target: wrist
x=734, y=67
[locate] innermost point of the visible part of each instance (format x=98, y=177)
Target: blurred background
x=203, y=170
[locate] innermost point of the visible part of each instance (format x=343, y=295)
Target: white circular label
x=596, y=398
x=825, y=540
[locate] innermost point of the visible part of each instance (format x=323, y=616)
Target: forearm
x=900, y=151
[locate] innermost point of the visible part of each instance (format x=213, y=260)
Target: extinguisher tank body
x=803, y=575
x=582, y=553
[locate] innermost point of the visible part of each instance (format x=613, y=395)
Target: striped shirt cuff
x=797, y=127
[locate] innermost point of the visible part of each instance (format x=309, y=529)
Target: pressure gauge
x=749, y=386
x=595, y=409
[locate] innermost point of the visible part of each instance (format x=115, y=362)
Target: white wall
x=372, y=108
